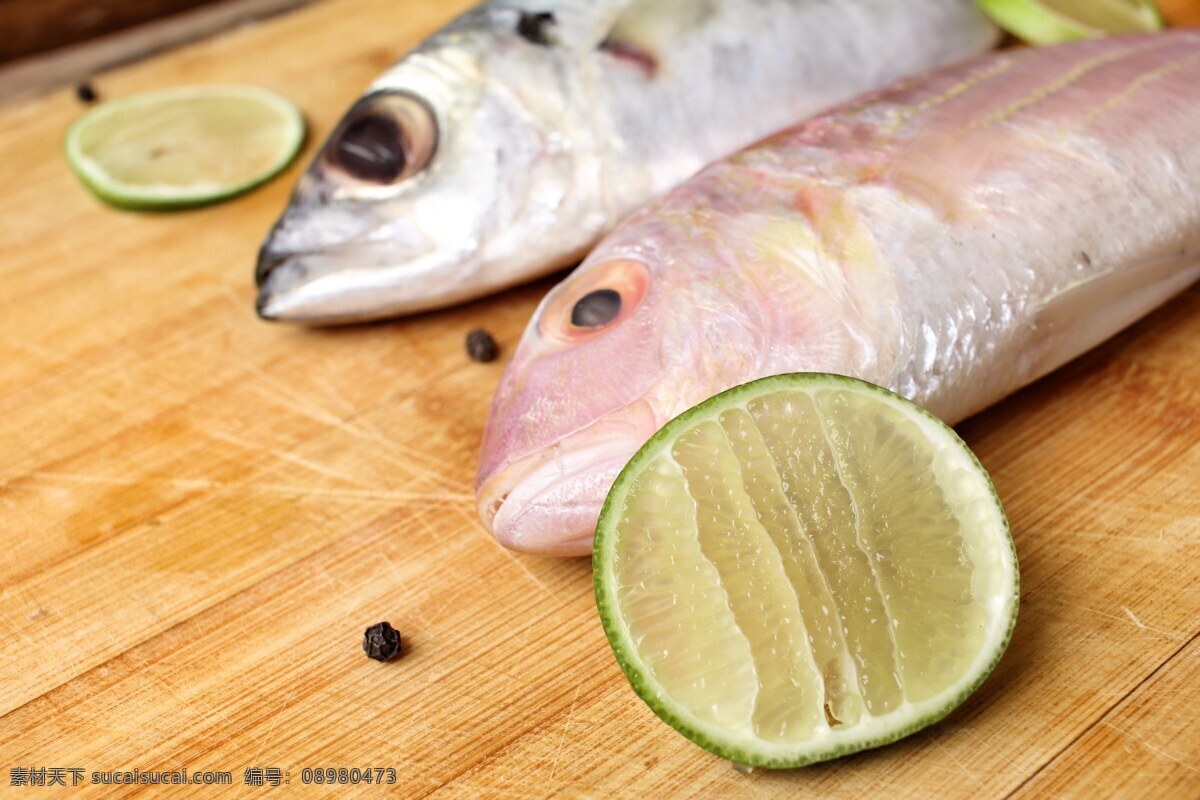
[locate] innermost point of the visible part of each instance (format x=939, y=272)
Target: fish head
x=433, y=185
x=633, y=337
x=688, y=297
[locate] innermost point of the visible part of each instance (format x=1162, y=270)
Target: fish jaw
x=317, y=288
x=419, y=261
x=315, y=270
x=548, y=501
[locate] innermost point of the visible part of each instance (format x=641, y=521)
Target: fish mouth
x=549, y=501
x=356, y=282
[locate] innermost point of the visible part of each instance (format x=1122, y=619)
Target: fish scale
x=952, y=238
x=526, y=130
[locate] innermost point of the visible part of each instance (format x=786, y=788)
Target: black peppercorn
x=481, y=346
x=86, y=93
x=381, y=642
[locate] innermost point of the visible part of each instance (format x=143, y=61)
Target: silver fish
x=505, y=145
x=952, y=238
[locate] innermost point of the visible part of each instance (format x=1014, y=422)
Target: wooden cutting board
x=201, y=512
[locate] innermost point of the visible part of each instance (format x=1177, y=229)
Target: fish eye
x=371, y=148
x=384, y=139
x=597, y=307
x=594, y=300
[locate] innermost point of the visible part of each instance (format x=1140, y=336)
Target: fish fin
x=1099, y=305
x=647, y=27
x=574, y=25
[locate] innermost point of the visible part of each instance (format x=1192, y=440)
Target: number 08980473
x=343, y=775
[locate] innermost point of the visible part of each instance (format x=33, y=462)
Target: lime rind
x=169, y=197
x=909, y=717
x=1033, y=22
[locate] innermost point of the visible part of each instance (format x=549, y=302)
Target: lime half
x=184, y=147
x=1056, y=21
x=803, y=567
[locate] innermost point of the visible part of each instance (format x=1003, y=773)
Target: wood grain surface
x=38, y=73
x=34, y=26
x=201, y=512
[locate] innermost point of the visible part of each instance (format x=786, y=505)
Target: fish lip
x=570, y=479
x=268, y=259
x=262, y=307
x=502, y=503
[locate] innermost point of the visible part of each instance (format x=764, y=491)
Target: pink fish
x=953, y=237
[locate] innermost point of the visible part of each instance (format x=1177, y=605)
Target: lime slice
x=184, y=147
x=1056, y=21
x=803, y=567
